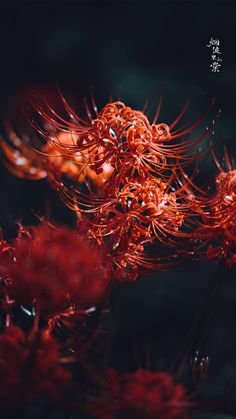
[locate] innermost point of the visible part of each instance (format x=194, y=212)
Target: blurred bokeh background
x=132, y=50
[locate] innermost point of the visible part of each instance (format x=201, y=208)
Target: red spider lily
x=127, y=165
x=53, y=267
x=129, y=215
x=29, y=368
x=220, y=230
x=117, y=137
x=141, y=394
x=29, y=161
x=121, y=137
x=215, y=227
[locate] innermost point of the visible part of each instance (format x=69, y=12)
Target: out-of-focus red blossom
x=76, y=167
x=54, y=267
x=5, y=248
x=141, y=394
x=29, y=368
x=25, y=162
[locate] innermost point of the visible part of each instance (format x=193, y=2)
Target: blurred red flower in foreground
x=29, y=368
x=24, y=161
x=53, y=267
x=141, y=394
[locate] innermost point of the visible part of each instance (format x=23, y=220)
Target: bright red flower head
x=129, y=215
x=217, y=228
x=118, y=136
x=222, y=230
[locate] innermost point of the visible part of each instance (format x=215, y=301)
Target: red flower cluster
x=135, y=195
x=121, y=137
x=53, y=267
x=140, y=202
x=219, y=229
x=213, y=232
x=141, y=394
x=29, y=368
x=131, y=196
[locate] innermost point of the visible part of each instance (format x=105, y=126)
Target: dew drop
x=112, y=133
x=20, y=161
